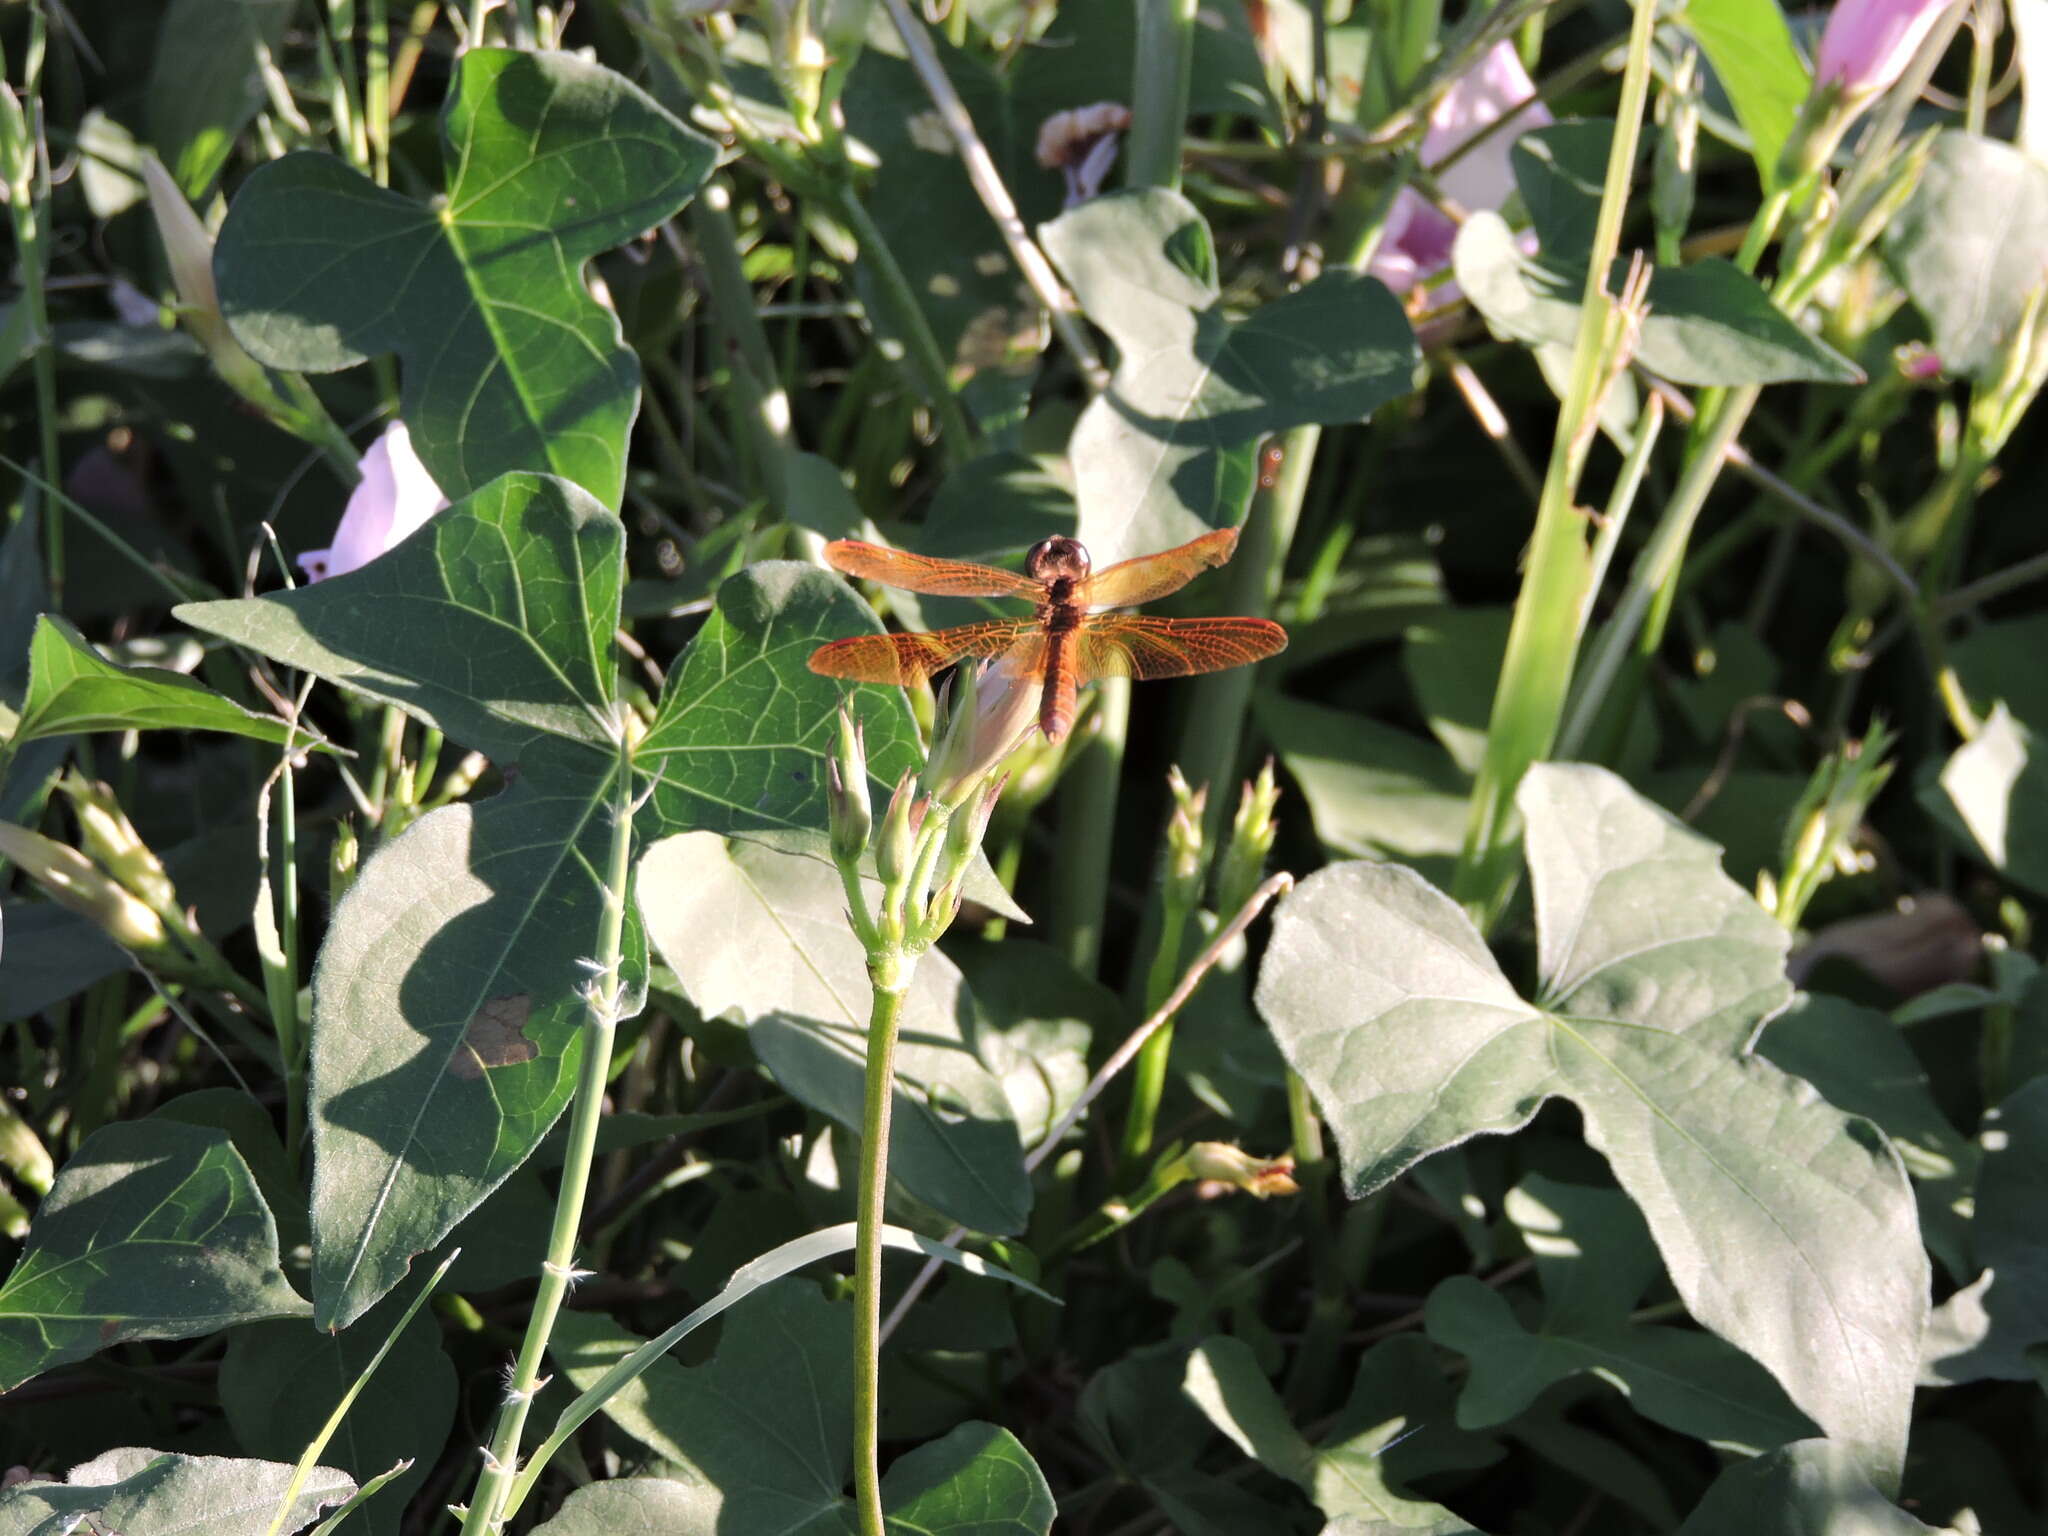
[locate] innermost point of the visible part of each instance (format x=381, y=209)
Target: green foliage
x=509, y=363
x=136, y=1205
x=153, y=1493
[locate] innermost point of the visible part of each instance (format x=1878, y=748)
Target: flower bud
x=74, y=881
x=851, y=812
x=1252, y=832
x=188, y=248
x=1677, y=162
x=116, y=846
x=1867, y=44
x=343, y=858
x=23, y=1152
x=896, y=844
x=1218, y=1163
x=1187, y=858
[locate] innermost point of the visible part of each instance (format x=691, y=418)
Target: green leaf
x=73, y=689
x=1753, y=55
x=1709, y=324
x=1224, y=1379
x=1636, y=924
x=1035, y=1016
x=1372, y=789
x=204, y=81
x=636, y=1504
x=1986, y=1330
x=493, y=623
x=1561, y=171
x=1786, y=1226
x=760, y=935
x=1815, y=1485
x=508, y=361
x=279, y=1382
x=152, y=1231
x=739, y=741
x=1165, y=453
x=1995, y=785
x=1965, y=244
x=1453, y=664
x=155, y=1493
x=754, y=1426
x=2002, y=660
x=1861, y=1063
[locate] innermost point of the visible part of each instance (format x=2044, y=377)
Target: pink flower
x=1418, y=237
x=395, y=498
x=1868, y=43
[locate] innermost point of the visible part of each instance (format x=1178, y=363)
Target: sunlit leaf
x=152, y=1230
x=205, y=82
x=507, y=361
x=1752, y=53
x=1815, y=1485
x=1166, y=452
x=156, y=1493
x=1786, y=1226
x=1993, y=785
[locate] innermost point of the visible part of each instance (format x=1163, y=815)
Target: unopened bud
x=343, y=858
x=850, y=811
x=188, y=247
x=896, y=843
x=1252, y=832
x=985, y=715
x=1187, y=856
x=74, y=881
x=112, y=841
x=1218, y=1163
x=23, y=1152
x=1677, y=162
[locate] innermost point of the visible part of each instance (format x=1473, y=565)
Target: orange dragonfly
x=1063, y=643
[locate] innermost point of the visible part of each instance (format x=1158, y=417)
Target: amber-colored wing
x=1130, y=645
x=923, y=573
x=908, y=658
x=1131, y=582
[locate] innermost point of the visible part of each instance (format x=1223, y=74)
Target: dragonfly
x=1066, y=642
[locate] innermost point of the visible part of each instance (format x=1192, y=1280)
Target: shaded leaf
x=1708, y=323
x=152, y=1230
x=761, y=935
x=1815, y=1485
x=508, y=361
x=1967, y=247
x=155, y=1493
x=204, y=81
x=1994, y=786
x=1372, y=789
x=1165, y=453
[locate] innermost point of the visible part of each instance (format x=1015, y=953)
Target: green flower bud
x=72, y=880
x=1187, y=856
x=112, y=842
x=850, y=811
x=1251, y=840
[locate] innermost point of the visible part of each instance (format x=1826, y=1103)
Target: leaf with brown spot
x=495, y=1037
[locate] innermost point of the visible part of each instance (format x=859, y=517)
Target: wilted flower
x=1867, y=44
x=395, y=498
x=1222, y=1167
x=1418, y=237
x=1081, y=144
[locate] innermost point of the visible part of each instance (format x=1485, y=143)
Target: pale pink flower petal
x=394, y=499
x=1867, y=44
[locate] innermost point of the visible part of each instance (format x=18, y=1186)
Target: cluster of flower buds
x=1252, y=832
x=928, y=835
x=1187, y=853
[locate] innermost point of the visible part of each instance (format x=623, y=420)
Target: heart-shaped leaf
x=508, y=361
x=447, y=998
x=760, y=934
x=153, y=1230
x=1165, y=453
x=1787, y=1227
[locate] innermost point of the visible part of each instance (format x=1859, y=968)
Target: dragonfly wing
x=1130, y=645
x=923, y=573
x=910, y=658
x=1131, y=582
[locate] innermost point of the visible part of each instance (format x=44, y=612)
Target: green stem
x=760, y=400
x=558, y=1270
x=1088, y=801
x=1148, y=1072
x=28, y=207
x=1159, y=92
x=889, y=971
x=1543, y=636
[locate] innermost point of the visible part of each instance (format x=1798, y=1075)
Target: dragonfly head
x=1057, y=558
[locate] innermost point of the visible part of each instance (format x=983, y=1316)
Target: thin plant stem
x=558, y=1270
x=1159, y=92
x=1543, y=636
x=995, y=197
x=1272, y=886
x=889, y=973
x=28, y=204
x=1088, y=801
x=1148, y=1078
